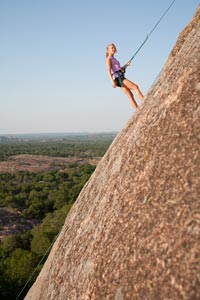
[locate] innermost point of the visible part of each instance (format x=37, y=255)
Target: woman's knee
x=135, y=86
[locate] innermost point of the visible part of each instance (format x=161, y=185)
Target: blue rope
x=148, y=35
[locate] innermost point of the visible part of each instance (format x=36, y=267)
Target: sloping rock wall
x=134, y=230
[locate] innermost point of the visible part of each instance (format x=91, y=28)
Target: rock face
x=134, y=230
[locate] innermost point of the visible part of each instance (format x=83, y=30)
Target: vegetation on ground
x=43, y=198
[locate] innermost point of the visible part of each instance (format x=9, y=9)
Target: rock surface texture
x=134, y=231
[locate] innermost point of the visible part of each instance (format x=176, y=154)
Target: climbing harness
x=120, y=76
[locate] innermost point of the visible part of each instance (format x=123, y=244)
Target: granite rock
x=134, y=231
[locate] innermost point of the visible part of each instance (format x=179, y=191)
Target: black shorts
x=119, y=79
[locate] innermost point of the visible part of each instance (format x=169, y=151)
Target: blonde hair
x=107, y=48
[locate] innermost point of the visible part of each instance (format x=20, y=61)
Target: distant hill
x=57, y=136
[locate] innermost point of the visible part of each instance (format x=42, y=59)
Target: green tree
x=17, y=268
x=10, y=243
x=40, y=243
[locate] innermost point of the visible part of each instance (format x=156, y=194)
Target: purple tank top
x=115, y=66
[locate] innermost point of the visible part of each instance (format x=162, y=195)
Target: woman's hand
x=128, y=63
x=113, y=84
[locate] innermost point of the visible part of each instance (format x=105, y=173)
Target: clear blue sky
x=52, y=60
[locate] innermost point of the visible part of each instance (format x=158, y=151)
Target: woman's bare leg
x=128, y=92
x=132, y=86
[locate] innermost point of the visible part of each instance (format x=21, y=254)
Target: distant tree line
x=63, y=148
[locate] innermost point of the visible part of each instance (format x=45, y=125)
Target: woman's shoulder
x=110, y=57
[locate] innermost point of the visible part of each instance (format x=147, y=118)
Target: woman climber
x=116, y=75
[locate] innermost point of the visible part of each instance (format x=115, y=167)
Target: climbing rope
x=150, y=33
